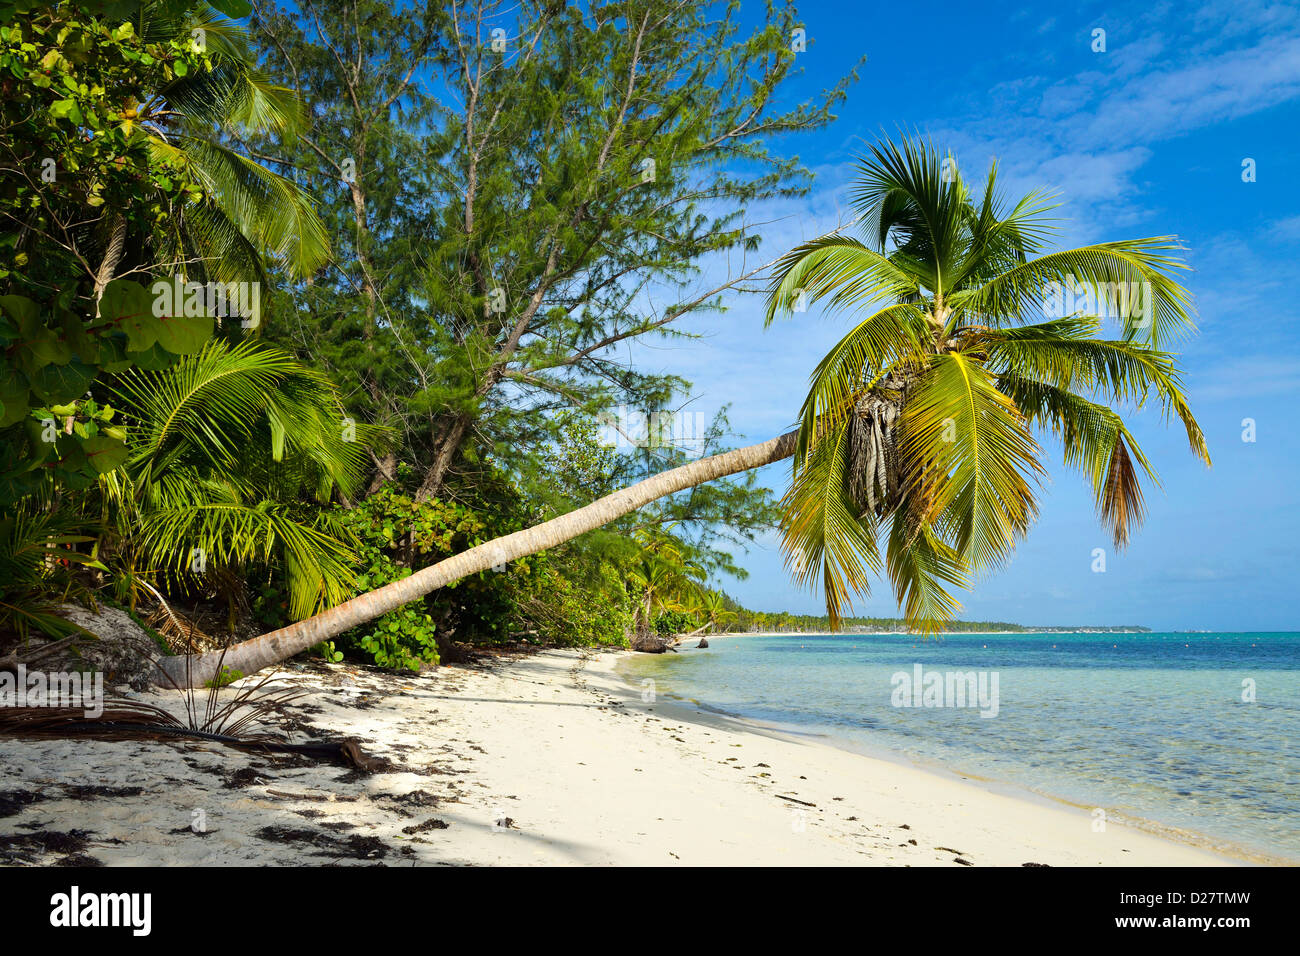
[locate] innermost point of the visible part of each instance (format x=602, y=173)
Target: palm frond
x=1096, y=442
x=273, y=213
x=841, y=268
x=1062, y=353
x=922, y=567
x=823, y=537
x=1131, y=277
x=318, y=565
x=965, y=438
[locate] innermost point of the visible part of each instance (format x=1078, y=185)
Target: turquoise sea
x=1153, y=727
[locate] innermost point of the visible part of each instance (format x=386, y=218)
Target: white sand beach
x=556, y=747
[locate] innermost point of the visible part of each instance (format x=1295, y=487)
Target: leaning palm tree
x=919, y=426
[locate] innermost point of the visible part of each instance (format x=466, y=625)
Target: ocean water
x=1150, y=727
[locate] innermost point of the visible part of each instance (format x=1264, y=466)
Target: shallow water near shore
x=1146, y=726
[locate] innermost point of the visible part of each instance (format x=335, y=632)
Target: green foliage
x=327, y=650
x=566, y=603
x=669, y=623
x=504, y=216
x=113, y=116
x=36, y=571
x=392, y=529
x=235, y=450
x=65, y=438
x=227, y=677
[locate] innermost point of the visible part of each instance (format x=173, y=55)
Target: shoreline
x=1227, y=852
x=545, y=759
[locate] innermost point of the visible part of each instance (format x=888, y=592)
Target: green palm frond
x=36, y=562
x=999, y=240
x=969, y=443
x=246, y=210
x=205, y=407
x=318, y=563
x=841, y=268
x=1096, y=442
x=822, y=535
x=212, y=246
x=920, y=564
x=1062, y=352
x=272, y=213
x=229, y=446
x=209, y=408
x=1132, y=278
x=917, y=199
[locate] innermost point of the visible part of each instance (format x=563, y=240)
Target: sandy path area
x=547, y=759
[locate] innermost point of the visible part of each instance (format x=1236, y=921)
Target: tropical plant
x=664, y=578
x=130, y=108
x=499, y=215
x=230, y=448
x=919, y=424
x=714, y=609
x=36, y=570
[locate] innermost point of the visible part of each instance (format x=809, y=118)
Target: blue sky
x=1147, y=138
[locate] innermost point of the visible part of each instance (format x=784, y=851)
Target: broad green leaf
x=152, y=359
x=130, y=307
x=184, y=335
x=23, y=311
x=63, y=383
x=14, y=395
x=104, y=454
x=66, y=109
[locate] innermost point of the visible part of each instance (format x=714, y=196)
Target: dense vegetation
x=427, y=249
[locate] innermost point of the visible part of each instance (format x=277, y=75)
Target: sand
x=546, y=759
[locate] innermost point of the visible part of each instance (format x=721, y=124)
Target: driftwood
x=651, y=643
x=34, y=655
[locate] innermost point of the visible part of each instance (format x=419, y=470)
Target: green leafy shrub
x=227, y=677
x=396, y=533
x=673, y=622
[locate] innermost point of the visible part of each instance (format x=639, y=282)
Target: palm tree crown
x=919, y=425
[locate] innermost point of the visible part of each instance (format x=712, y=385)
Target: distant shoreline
x=920, y=635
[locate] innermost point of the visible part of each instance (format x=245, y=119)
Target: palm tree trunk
x=252, y=655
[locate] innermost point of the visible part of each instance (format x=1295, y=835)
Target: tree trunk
x=252, y=655
x=446, y=446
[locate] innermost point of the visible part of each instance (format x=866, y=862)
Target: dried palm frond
x=183, y=634
x=874, y=481
x=228, y=722
x=133, y=720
